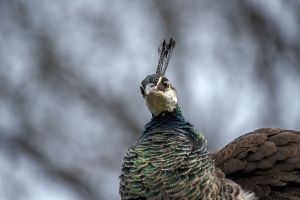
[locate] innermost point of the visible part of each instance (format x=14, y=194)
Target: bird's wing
x=265, y=161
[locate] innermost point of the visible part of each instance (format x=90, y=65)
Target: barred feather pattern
x=265, y=161
x=170, y=161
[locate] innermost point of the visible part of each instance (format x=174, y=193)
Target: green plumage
x=169, y=161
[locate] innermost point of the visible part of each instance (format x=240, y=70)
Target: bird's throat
x=159, y=101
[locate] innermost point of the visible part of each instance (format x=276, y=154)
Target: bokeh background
x=70, y=72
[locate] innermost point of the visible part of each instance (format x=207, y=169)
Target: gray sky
x=70, y=72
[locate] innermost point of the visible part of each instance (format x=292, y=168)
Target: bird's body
x=169, y=160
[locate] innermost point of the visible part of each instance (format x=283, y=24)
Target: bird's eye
x=166, y=83
x=142, y=91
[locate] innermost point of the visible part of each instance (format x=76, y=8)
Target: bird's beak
x=150, y=86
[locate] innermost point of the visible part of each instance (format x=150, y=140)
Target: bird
x=170, y=161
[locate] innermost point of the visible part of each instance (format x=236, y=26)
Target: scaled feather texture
x=169, y=160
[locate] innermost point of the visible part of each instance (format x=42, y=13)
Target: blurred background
x=70, y=71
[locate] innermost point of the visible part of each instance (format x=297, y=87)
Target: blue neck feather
x=170, y=121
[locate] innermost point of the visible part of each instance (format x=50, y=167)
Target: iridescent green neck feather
x=170, y=120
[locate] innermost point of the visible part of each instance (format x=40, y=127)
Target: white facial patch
x=159, y=81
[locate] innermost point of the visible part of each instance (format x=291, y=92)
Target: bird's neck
x=171, y=120
x=168, y=120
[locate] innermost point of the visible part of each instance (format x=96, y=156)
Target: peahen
x=169, y=160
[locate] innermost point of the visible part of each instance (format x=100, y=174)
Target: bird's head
x=158, y=93
x=156, y=89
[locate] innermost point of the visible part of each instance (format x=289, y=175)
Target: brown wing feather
x=265, y=161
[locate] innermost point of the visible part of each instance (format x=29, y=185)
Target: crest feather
x=165, y=50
